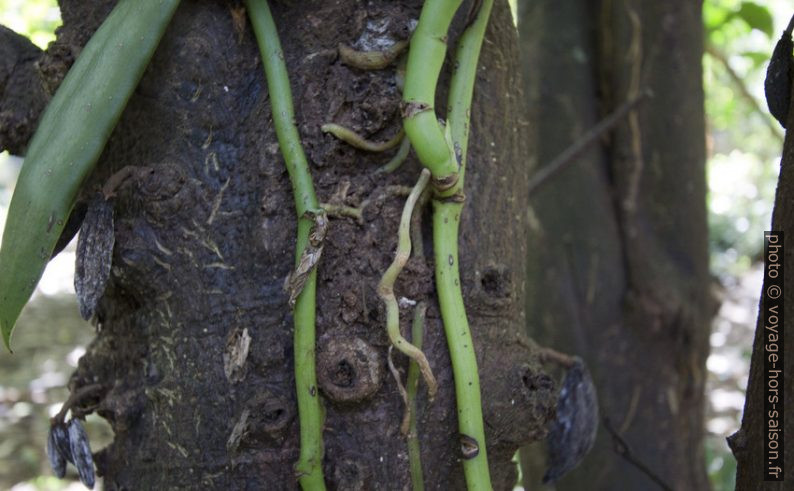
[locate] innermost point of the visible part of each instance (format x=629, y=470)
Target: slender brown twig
x=562, y=359
x=622, y=448
x=715, y=53
x=74, y=399
x=570, y=154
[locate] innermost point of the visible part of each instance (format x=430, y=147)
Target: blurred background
x=51, y=335
x=744, y=145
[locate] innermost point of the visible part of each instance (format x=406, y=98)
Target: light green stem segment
x=309, y=466
x=425, y=58
x=414, y=453
x=69, y=139
x=461, y=87
x=386, y=287
x=446, y=219
x=446, y=222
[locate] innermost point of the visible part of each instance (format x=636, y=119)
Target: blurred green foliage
x=721, y=466
x=37, y=19
x=745, y=142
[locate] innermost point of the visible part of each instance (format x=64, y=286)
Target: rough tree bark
x=749, y=443
x=205, y=238
x=618, y=264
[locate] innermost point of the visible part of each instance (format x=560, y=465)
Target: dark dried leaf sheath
x=573, y=433
x=94, y=255
x=81, y=453
x=310, y=257
x=54, y=454
x=60, y=437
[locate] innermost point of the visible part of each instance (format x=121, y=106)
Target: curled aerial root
x=386, y=288
x=355, y=140
x=408, y=426
x=371, y=60
x=398, y=159
x=396, y=374
x=354, y=212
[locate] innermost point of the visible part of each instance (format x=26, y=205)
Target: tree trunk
x=749, y=444
x=618, y=264
x=205, y=237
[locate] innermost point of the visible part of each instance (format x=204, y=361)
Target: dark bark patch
x=54, y=65
x=352, y=474
x=496, y=281
x=350, y=307
x=264, y=420
x=122, y=407
x=165, y=192
x=526, y=403
x=22, y=95
x=416, y=280
x=348, y=369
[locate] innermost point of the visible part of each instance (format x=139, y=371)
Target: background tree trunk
x=618, y=264
x=749, y=443
x=205, y=237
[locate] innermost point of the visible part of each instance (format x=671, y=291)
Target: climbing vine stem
x=309, y=467
x=425, y=58
x=433, y=146
x=461, y=86
x=411, y=384
x=412, y=380
x=446, y=220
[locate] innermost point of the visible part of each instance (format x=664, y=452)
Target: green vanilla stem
x=309, y=467
x=411, y=384
x=446, y=222
x=461, y=86
x=425, y=58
